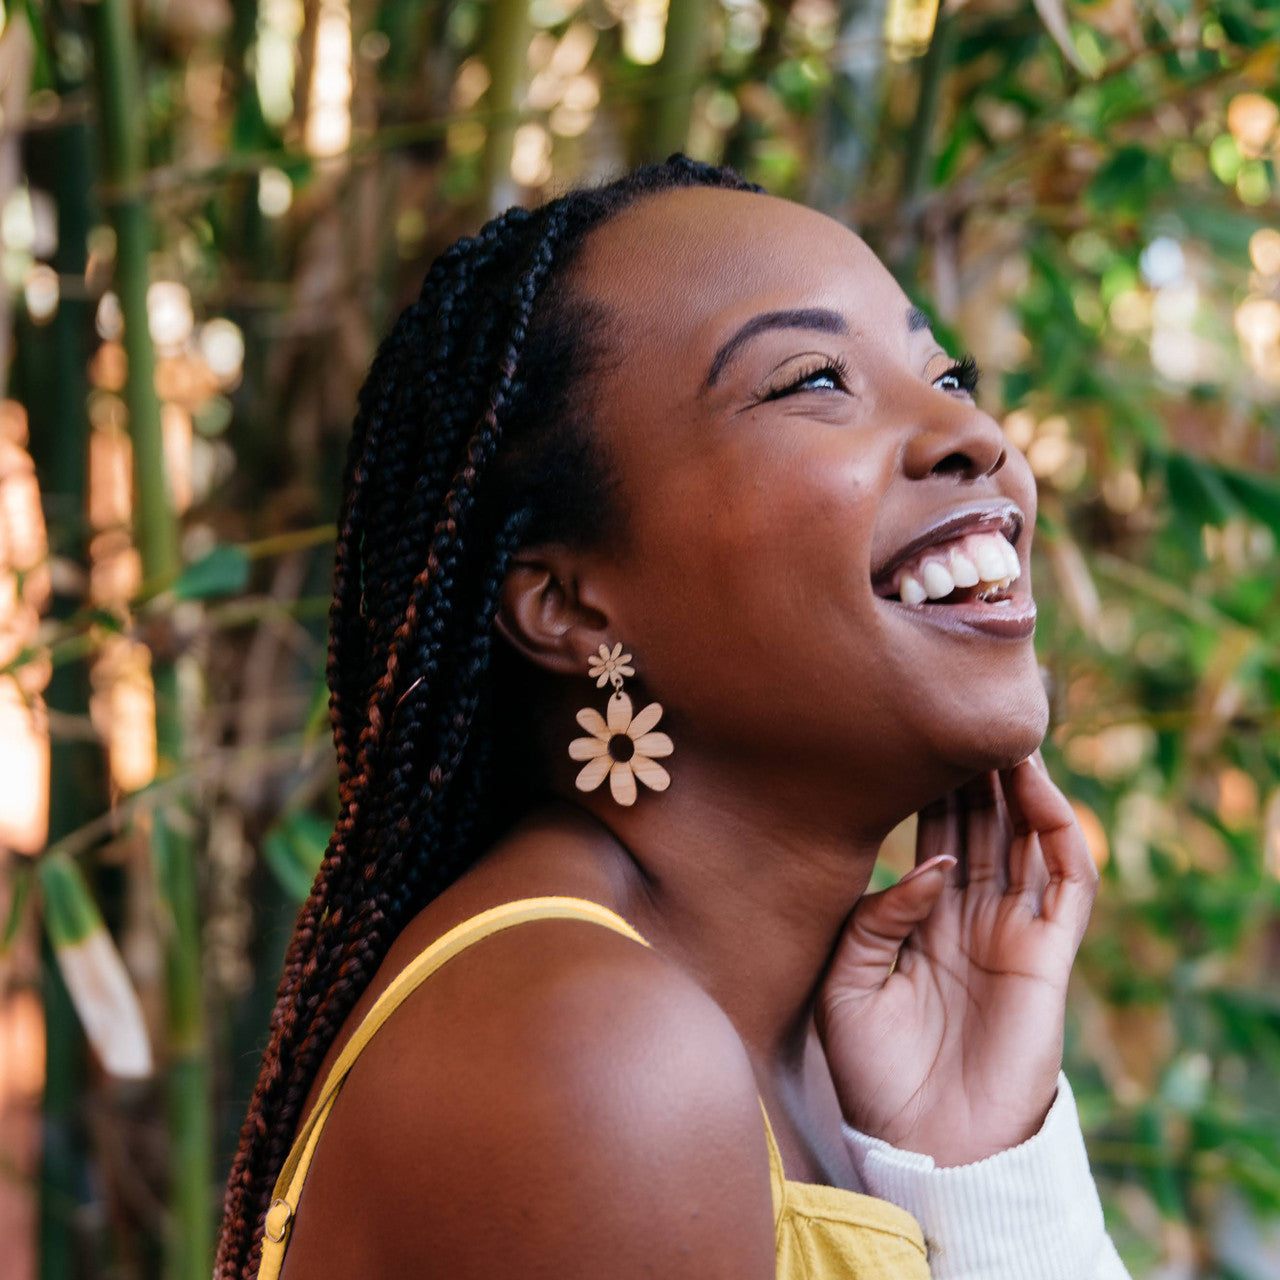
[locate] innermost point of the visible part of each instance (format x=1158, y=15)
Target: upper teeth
x=983, y=560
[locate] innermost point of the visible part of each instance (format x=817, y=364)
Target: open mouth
x=974, y=566
x=960, y=573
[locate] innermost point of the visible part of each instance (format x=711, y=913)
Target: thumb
x=881, y=923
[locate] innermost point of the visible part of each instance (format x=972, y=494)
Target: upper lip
x=976, y=517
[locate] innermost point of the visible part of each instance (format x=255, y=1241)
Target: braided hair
x=470, y=440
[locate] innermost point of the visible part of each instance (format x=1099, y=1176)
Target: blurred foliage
x=1083, y=194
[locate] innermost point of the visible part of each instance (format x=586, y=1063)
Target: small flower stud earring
x=622, y=747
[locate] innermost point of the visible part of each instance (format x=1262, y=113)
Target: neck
x=746, y=883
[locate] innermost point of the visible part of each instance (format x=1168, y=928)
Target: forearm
x=1032, y=1210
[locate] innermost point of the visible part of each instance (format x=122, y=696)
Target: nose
x=957, y=440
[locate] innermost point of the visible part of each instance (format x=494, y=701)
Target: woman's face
x=798, y=470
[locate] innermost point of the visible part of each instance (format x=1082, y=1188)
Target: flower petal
x=619, y=713
x=650, y=772
x=604, y=653
x=645, y=719
x=622, y=782
x=593, y=722
x=617, y=649
x=593, y=773
x=654, y=744
x=587, y=748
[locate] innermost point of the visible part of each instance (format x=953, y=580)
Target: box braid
x=470, y=440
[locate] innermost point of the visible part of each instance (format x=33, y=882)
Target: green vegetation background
x=1084, y=194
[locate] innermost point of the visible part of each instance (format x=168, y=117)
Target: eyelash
x=965, y=371
x=836, y=367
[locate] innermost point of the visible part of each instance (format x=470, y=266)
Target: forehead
x=682, y=269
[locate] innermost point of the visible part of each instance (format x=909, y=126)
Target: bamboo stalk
x=62, y=1140
x=846, y=127
x=915, y=178
x=506, y=56
x=59, y=428
x=669, y=113
x=189, y=1241
x=188, y=1101
x=117, y=77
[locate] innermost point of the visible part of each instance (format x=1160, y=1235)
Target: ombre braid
x=470, y=440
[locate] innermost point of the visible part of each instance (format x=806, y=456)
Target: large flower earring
x=622, y=747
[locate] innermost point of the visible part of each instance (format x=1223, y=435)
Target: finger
x=938, y=833
x=882, y=922
x=1038, y=808
x=985, y=831
x=1028, y=875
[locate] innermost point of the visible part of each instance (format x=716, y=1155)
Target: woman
x=667, y=483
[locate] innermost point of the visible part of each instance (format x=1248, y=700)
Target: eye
x=961, y=376
x=823, y=374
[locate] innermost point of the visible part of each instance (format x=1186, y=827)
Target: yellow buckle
x=277, y=1224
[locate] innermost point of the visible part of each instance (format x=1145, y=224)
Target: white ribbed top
x=1030, y=1211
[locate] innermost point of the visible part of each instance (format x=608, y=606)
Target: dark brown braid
x=470, y=440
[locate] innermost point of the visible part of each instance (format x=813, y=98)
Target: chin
x=1012, y=736
x=995, y=732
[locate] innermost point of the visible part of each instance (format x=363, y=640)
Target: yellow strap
x=288, y=1188
x=777, y=1177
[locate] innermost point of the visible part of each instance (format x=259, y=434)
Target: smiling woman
x=679, y=438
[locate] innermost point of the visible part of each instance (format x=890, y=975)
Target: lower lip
x=1014, y=619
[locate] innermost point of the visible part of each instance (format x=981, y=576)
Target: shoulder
x=558, y=1100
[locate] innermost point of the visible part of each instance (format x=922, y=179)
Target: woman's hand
x=942, y=1013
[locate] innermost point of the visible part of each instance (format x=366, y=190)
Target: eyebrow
x=816, y=318
x=917, y=320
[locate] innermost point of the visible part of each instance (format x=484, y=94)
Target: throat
x=804, y=1114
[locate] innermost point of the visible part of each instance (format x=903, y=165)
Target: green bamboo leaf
x=309, y=834
x=21, y=895
x=294, y=848
x=279, y=856
x=70, y=914
x=1227, y=230
x=1257, y=496
x=93, y=971
x=317, y=721
x=223, y=572
x=1161, y=1179
x=1129, y=181
x=1197, y=492
x=105, y=619
x=42, y=76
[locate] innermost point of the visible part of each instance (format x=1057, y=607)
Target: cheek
x=749, y=575
x=1019, y=483
x=768, y=532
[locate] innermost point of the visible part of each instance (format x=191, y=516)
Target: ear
x=545, y=611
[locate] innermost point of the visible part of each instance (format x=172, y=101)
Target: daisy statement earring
x=622, y=747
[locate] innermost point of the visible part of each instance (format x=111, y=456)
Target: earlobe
x=542, y=617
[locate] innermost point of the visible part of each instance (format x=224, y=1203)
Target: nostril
x=999, y=462
x=952, y=463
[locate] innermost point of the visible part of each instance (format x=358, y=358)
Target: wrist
x=954, y=1132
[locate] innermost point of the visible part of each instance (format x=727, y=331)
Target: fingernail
x=945, y=861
